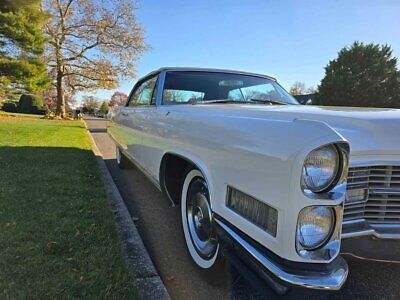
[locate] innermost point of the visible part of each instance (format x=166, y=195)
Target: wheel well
x=172, y=172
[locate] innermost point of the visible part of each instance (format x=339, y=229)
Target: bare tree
x=173, y=96
x=299, y=88
x=50, y=99
x=92, y=44
x=90, y=103
x=312, y=90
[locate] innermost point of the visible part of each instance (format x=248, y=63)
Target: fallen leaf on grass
x=51, y=245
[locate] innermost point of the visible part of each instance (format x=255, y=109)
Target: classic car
x=280, y=187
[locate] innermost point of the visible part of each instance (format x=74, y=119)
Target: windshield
x=182, y=87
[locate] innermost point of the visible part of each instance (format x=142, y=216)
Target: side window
x=134, y=97
x=144, y=94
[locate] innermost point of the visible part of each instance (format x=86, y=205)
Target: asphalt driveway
x=159, y=226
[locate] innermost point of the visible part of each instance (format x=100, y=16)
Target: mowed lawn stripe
x=57, y=233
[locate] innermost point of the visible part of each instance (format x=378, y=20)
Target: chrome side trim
x=323, y=281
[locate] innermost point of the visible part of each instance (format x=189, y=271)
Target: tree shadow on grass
x=57, y=231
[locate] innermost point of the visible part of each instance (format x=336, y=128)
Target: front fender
x=270, y=171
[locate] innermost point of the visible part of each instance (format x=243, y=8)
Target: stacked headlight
x=314, y=226
x=321, y=168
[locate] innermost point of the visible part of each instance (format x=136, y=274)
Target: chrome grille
x=382, y=189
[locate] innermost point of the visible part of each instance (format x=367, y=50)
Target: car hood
x=368, y=130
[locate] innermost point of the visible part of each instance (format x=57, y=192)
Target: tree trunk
x=60, y=95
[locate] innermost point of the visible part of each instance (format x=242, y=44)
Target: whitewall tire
x=197, y=222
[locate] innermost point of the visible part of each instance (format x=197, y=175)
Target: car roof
x=207, y=70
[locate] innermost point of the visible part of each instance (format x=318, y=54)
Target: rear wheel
x=197, y=220
x=122, y=161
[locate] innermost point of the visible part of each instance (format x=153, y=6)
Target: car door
x=138, y=108
x=122, y=128
x=149, y=119
x=129, y=133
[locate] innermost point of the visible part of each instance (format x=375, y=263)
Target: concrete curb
x=146, y=279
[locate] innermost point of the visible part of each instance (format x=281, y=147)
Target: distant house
x=306, y=99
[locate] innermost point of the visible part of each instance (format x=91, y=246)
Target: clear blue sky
x=291, y=40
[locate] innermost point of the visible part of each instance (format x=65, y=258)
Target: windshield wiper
x=252, y=101
x=221, y=101
x=269, y=101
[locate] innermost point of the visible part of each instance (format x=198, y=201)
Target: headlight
x=321, y=168
x=315, y=226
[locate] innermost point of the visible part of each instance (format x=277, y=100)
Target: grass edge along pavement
x=58, y=238
x=147, y=280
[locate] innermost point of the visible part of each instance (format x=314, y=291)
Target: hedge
x=29, y=104
x=10, y=107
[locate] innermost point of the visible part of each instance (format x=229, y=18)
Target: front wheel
x=197, y=220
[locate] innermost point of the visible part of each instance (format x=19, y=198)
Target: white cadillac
x=264, y=179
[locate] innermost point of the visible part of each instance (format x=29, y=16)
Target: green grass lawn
x=57, y=233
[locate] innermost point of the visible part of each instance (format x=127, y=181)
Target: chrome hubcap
x=199, y=217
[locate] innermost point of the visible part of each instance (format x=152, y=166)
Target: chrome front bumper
x=285, y=273
x=364, y=240
x=359, y=228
